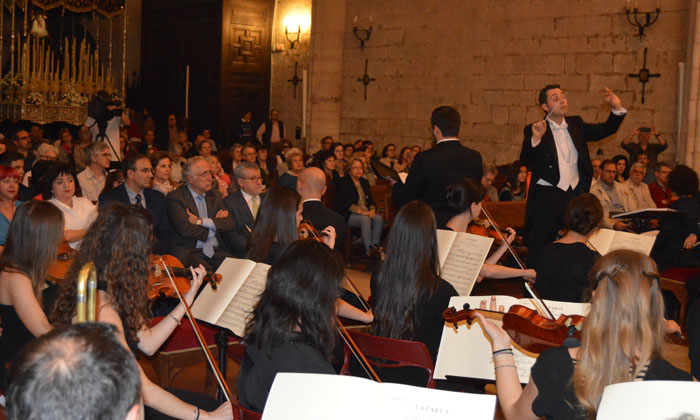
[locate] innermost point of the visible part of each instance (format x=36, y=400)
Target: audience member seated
x=640, y=190
x=643, y=158
x=119, y=244
x=389, y=156
x=622, y=168
x=236, y=156
x=614, y=196
x=659, y=190
x=515, y=188
x=326, y=144
x=222, y=181
x=464, y=200
x=34, y=192
x=356, y=204
x=79, y=154
x=311, y=187
x=31, y=246
x=45, y=151
x=289, y=178
x=176, y=161
x=113, y=180
x=678, y=234
x=147, y=146
x=15, y=160
x=136, y=190
x=348, y=150
x=595, y=163
x=81, y=372
x=643, y=145
x=205, y=147
x=292, y=328
x=408, y=295
x=23, y=144
x=9, y=185
x=162, y=168
x=243, y=206
x=563, y=266
x=405, y=159
x=621, y=341
x=267, y=168
x=92, y=179
x=490, y=172
x=198, y=218
x=328, y=165
x=78, y=212
x=340, y=161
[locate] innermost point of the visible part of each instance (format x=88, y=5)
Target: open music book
x=461, y=256
x=607, y=240
x=235, y=297
x=649, y=213
x=336, y=397
x=466, y=352
x=650, y=400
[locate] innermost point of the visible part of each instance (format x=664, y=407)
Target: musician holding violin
x=621, y=341
x=464, y=199
x=119, y=243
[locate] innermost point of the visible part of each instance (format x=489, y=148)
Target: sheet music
x=464, y=260
x=380, y=401
x=445, y=239
x=608, y=240
x=241, y=306
x=649, y=400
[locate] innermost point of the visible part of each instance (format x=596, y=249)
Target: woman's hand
x=499, y=337
x=690, y=241
x=530, y=275
x=224, y=412
x=671, y=327
x=198, y=274
x=328, y=236
x=510, y=235
x=371, y=214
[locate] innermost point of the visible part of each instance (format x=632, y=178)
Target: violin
x=483, y=228
x=158, y=280
x=307, y=230
x=526, y=327
x=58, y=269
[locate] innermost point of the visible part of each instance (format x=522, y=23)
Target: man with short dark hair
x=433, y=170
x=136, y=189
x=23, y=143
x=658, y=189
x=555, y=150
x=243, y=205
x=81, y=372
x=613, y=196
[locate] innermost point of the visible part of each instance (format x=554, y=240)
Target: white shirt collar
x=448, y=139
x=311, y=199
x=556, y=126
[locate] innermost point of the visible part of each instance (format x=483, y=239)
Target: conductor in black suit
x=433, y=170
x=138, y=174
x=243, y=205
x=311, y=186
x=555, y=150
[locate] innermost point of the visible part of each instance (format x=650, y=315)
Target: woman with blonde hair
x=621, y=342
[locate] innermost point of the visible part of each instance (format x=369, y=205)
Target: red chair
x=674, y=280
x=400, y=353
x=245, y=414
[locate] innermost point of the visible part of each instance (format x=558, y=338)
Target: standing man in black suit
x=435, y=169
x=311, y=186
x=136, y=189
x=198, y=217
x=555, y=150
x=243, y=206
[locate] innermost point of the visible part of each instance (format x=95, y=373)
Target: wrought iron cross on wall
x=296, y=79
x=365, y=79
x=644, y=75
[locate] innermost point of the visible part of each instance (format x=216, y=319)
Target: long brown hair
x=624, y=328
x=118, y=243
x=32, y=242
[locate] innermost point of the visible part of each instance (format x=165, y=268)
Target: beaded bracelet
x=176, y=320
x=503, y=351
x=504, y=366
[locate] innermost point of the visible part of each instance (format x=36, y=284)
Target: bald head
x=312, y=183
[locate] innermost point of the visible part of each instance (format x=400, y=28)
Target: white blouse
x=78, y=217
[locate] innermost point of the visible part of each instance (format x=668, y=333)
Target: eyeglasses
x=204, y=174
x=145, y=170
x=610, y=171
x=254, y=179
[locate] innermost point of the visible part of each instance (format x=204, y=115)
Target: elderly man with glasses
x=243, y=206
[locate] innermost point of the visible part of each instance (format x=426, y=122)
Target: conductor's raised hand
x=612, y=99
x=538, y=129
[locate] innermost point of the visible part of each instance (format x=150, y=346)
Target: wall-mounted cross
x=296, y=79
x=644, y=75
x=365, y=79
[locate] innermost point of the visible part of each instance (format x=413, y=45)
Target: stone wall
x=489, y=58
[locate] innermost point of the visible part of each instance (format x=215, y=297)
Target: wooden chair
x=390, y=353
x=674, y=280
x=507, y=213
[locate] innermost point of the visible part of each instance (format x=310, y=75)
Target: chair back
x=245, y=414
x=399, y=353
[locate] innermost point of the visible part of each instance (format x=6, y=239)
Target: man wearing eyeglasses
x=243, y=206
x=136, y=190
x=92, y=179
x=198, y=217
x=555, y=150
x=658, y=189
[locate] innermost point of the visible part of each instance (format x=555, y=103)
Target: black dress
x=562, y=271
x=552, y=373
x=668, y=248
x=259, y=368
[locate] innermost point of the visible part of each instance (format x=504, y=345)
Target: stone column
x=689, y=144
x=325, y=71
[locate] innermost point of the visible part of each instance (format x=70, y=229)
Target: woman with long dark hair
x=119, y=243
x=515, y=188
x=621, y=342
x=292, y=326
x=622, y=167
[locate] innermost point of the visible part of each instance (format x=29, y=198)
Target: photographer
x=652, y=150
x=104, y=119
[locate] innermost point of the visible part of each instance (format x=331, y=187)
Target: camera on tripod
x=99, y=110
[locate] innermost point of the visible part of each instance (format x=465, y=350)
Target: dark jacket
x=542, y=160
x=236, y=239
x=433, y=171
x=346, y=195
x=321, y=217
x=155, y=204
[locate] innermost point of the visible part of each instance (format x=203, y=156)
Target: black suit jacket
x=346, y=195
x=433, y=171
x=186, y=234
x=237, y=239
x=542, y=160
x=155, y=204
x=321, y=217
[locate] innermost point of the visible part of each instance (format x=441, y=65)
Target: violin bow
x=357, y=352
x=520, y=262
x=210, y=358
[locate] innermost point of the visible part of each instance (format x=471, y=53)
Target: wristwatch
x=199, y=222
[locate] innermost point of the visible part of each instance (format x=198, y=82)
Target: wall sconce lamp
x=649, y=18
x=297, y=33
x=362, y=34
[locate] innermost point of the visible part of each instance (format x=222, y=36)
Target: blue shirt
x=5, y=224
